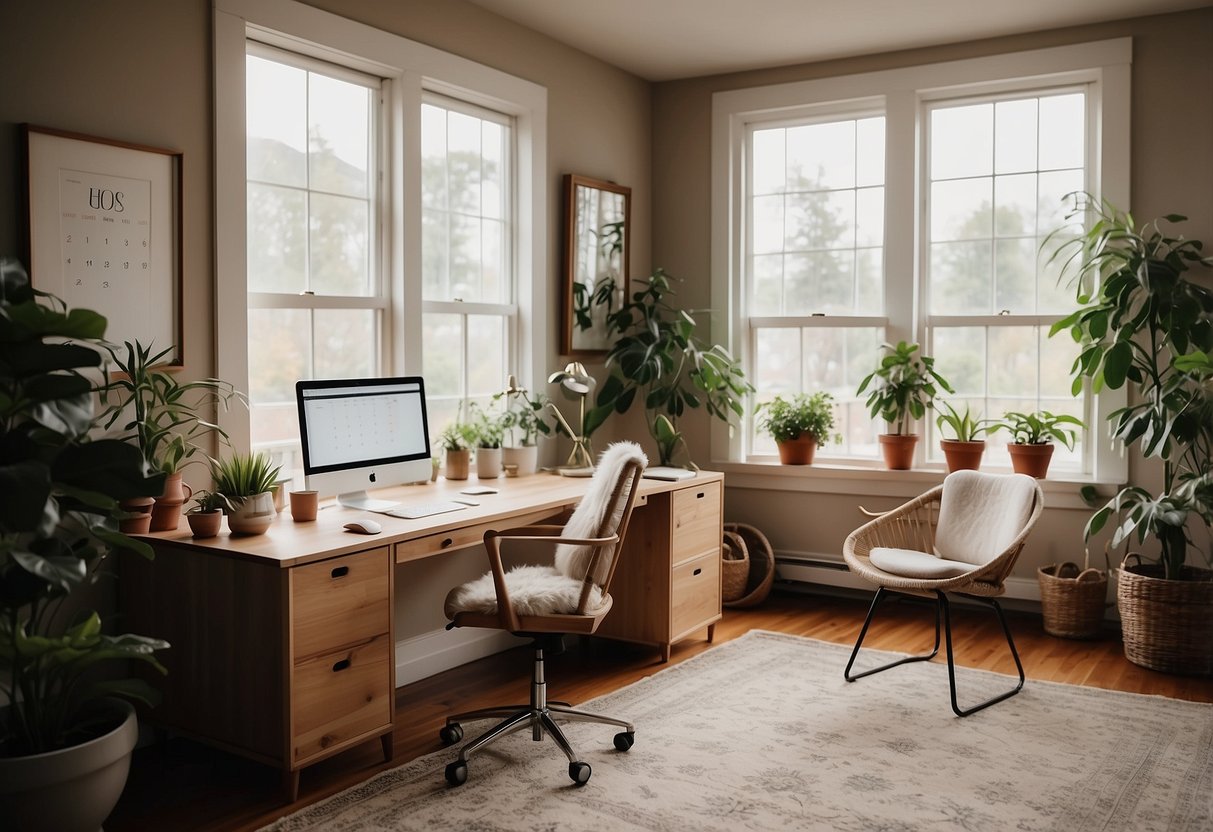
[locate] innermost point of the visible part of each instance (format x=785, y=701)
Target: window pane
x=869, y=151
x=767, y=212
x=442, y=363
x=486, y=354
x=960, y=278
x=767, y=291
x=1015, y=275
x=962, y=141
x=346, y=343
x=769, y=165
x=1015, y=205
x=339, y=136
x=820, y=220
x=960, y=210
x=821, y=156
x=276, y=122
x=280, y=349
x=1015, y=136
x=277, y=239
x=1062, y=133
x=433, y=157
x=960, y=357
x=340, y=239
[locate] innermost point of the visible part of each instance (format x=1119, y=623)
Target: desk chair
x=963, y=537
x=545, y=603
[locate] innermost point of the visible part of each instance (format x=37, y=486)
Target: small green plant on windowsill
x=799, y=425
x=961, y=424
x=1040, y=427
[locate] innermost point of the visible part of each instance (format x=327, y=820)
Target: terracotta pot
x=488, y=463
x=73, y=789
x=166, y=512
x=963, y=456
x=898, y=450
x=253, y=515
x=1032, y=460
x=205, y=523
x=457, y=464
x=525, y=459
x=141, y=521
x=798, y=451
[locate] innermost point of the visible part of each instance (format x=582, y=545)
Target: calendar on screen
x=104, y=223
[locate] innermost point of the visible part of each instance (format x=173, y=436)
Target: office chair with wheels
x=544, y=603
x=961, y=537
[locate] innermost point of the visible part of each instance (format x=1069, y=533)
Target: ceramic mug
x=304, y=505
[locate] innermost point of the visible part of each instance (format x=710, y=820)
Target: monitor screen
x=363, y=433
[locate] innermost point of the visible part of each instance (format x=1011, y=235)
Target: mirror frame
x=571, y=183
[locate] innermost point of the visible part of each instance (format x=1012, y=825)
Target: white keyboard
x=411, y=511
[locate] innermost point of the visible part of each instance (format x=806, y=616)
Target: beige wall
x=1172, y=172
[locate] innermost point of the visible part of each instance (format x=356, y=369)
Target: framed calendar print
x=105, y=232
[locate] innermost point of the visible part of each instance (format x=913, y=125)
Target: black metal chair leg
x=880, y=593
x=1002, y=619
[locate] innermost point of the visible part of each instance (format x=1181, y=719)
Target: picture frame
x=104, y=223
x=597, y=250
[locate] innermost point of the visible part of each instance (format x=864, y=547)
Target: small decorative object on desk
x=575, y=383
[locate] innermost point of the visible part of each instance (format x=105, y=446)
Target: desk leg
x=389, y=747
x=290, y=785
x=665, y=652
x=711, y=632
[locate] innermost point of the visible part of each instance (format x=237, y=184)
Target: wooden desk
x=283, y=643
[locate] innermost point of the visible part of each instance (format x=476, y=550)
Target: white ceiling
x=662, y=40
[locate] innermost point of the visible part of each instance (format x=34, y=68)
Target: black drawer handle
x=447, y=542
x=340, y=571
x=697, y=572
x=341, y=665
x=699, y=496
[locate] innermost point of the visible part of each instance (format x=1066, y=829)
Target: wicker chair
x=960, y=537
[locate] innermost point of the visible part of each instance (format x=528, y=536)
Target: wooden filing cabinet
x=287, y=665
x=667, y=584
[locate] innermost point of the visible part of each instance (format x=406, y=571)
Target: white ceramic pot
x=525, y=459
x=488, y=463
x=73, y=789
x=253, y=515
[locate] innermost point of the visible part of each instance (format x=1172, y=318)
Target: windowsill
x=1061, y=490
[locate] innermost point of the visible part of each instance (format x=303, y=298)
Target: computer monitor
x=363, y=433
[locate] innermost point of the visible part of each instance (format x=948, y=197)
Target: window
x=467, y=271
x=912, y=205
x=380, y=210
x=316, y=293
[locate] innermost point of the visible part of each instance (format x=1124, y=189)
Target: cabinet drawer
x=696, y=520
x=339, y=601
x=339, y=696
x=695, y=593
x=461, y=538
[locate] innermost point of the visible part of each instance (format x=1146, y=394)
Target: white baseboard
x=439, y=650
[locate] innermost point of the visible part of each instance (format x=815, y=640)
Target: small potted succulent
x=799, y=425
x=964, y=450
x=1032, y=436
x=456, y=440
x=488, y=426
x=246, y=480
x=900, y=390
x=206, y=516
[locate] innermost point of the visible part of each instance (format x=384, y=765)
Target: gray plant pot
x=70, y=790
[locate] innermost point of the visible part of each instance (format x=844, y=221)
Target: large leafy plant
x=58, y=522
x=1142, y=324
x=903, y=386
x=658, y=356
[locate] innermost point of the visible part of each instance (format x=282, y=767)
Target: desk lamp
x=576, y=384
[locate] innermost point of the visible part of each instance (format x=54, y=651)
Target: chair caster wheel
x=457, y=773
x=624, y=740
x=579, y=773
x=450, y=734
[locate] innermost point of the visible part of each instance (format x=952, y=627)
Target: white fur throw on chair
x=547, y=590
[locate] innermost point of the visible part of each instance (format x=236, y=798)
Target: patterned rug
x=762, y=733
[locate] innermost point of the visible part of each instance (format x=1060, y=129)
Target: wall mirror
x=596, y=261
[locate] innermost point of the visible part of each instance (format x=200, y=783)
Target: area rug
x=762, y=733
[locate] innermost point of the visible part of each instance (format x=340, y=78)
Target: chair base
x=540, y=717
x=942, y=611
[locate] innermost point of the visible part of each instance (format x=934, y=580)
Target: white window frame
x=1103, y=67
x=409, y=68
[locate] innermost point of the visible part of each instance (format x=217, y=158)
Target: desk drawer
x=339, y=696
x=695, y=593
x=339, y=601
x=696, y=520
x=461, y=538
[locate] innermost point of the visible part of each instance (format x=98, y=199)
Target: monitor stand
x=360, y=500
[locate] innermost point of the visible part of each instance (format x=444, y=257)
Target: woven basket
x=1072, y=600
x=734, y=566
x=762, y=565
x=1167, y=625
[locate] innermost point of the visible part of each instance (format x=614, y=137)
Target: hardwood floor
x=181, y=785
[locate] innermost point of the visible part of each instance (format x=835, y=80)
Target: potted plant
x=963, y=451
x=206, y=516
x=1032, y=435
x=65, y=741
x=798, y=425
x=488, y=426
x=658, y=355
x=903, y=387
x=1143, y=324
x=456, y=440
x=524, y=422
x=245, y=481
x=162, y=419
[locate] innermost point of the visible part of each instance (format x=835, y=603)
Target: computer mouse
x=364, y=527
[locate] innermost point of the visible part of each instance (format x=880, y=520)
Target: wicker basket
x=734, y=566
x=762, y=565
x=1167, y=625
x=1072, y=600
